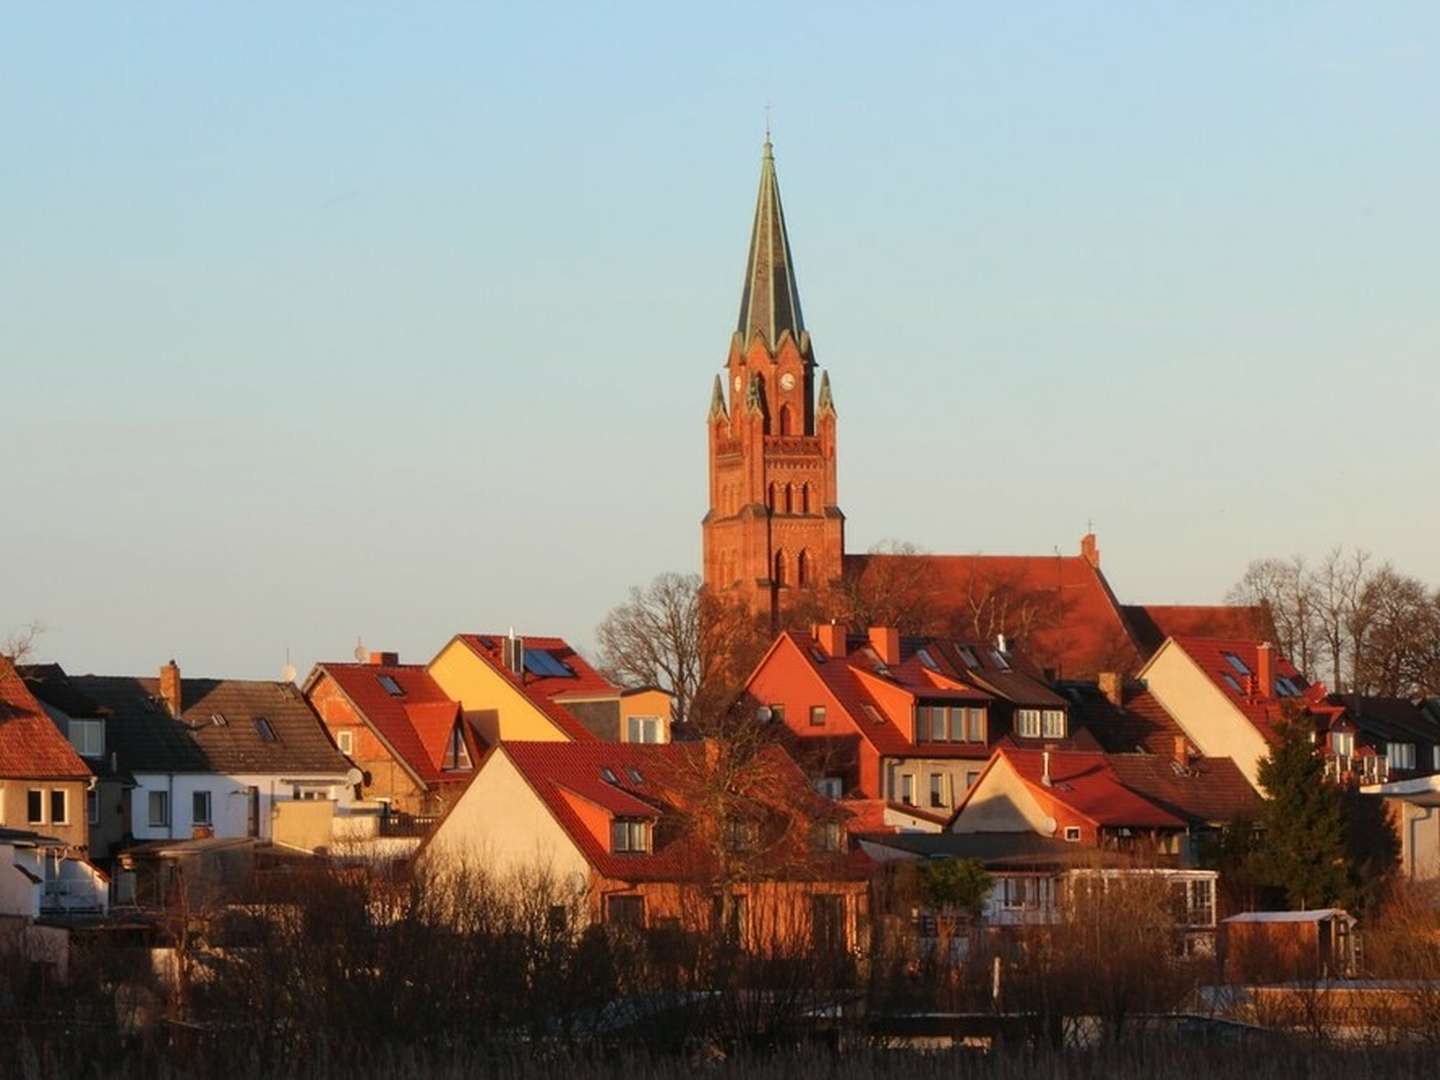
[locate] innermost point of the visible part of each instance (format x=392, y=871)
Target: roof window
x=1000, y=661
x=923, y=655
x=635, y=777
x=542, y=663
x=818, y=654
x=218, y=719
x=873, y=713
x=608, y=775
x=967, y=654
x=390, y=686
x=1231, y=682
x=1236, y=663
x=264, y=730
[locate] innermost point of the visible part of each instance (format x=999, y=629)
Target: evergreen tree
x=1303, y=848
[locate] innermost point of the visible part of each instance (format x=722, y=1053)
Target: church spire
x=770, y=303
x=717, y=402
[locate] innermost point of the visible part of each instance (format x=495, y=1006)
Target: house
x=1227, y=695
x=85, y=725
x=413, y=746
x=635, y=829
x=909, y=722
x=1378, y=739
x=1075, y=796
x=43, y=876
x=44, y=784
x=539, y=688
x=221, y=757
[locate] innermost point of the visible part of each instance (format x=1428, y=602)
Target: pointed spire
x=827, y=402
x=770, y=302
x=717, y=402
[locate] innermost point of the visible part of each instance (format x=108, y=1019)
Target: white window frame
x=832, y=787
x=1053, y=723
x=92, y=805
x=645, y=727
x=1072, y=834
x=629, y=836
x=88, y=746
x=1400, y=755
x=164, y=802
x=64, y=818
x=195, y=797
x=940, y=790
x=1435, y=758
x=34, y=820
x=1027, y=723
x=906, y=789
x=1342, y=743
x=345, y=741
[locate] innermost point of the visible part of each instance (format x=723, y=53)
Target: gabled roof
x=770, y=301
x=1138, y=723
x=31, y=746
x=416, y=723
x=1086, y=783
x=1153, y=623
x=654, y=781
x=148, y=739
x=548, y=692
x=1388, y=719
x=1205, y=791
x=1210, y=655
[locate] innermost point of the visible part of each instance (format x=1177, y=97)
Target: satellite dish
x=764, y=714
x=359, y=654
x=354, y=776
x=1050, y=826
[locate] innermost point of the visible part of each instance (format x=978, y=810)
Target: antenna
x=359, y=653
x=767, y=121
x=287, y=673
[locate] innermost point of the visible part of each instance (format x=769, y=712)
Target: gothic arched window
x=786, y=420
x=779, y=575
x=804, y=498
x=789, y=499
x=802, y=568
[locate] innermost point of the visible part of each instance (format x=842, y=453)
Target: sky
x=322, y=322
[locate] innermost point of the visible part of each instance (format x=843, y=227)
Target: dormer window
x=829, y=836
x=1027, y=723
x=1053, y=723
x=88, y=737
x=741, y=834
x=629, y=836
x=1342, y=743
x=1400, y=755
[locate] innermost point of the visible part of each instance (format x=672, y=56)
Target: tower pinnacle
x=770, y=302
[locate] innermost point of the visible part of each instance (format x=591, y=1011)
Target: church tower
x=774, y=526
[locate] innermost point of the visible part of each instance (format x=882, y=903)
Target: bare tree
x=20, y=645
x=896, y=587
x=1397, y=648
x=1337, y=585
x=1286, y=589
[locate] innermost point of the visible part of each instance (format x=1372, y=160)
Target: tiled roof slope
x=548, y=692
x=31, y=746
x=1209, y=656
x=670, y=778
x=1206, y=790
x=1140, y=722
x=1088, y=785
x=1079, y=628
x=417, y=723
x=1153, y=623
x=1389, y=718
x=148, y=739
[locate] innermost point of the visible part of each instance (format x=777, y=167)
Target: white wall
x=1203, y=711
x=501, y=825
x=229, y=802
x=18, y=894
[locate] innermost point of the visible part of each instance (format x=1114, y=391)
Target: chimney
x=831, y=638
x=1112, y=685
x=1265, y=669
x=1045, y=761
x=1182, y=750
x=170, y=689
x=1089, y=551
x=512, y=654
x=384, y=659
x=885, y=640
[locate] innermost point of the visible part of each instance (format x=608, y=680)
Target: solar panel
x=540, y=662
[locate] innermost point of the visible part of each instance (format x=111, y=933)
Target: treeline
x=1362, y=626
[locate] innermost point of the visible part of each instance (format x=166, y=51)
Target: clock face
x=739, y=382
x=787, y=381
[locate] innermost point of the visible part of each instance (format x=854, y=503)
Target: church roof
x=770, y=303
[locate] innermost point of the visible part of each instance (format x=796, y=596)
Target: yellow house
x=539, y=689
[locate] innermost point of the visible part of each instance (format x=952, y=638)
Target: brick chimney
x=1182, y=750
x=1112, y=685
x=1089, y=551
x=1265, y=669
x=170, y=689
x=885, y=640
x=384, y=659
x=830, y=637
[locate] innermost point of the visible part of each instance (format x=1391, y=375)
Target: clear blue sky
x=320, y=320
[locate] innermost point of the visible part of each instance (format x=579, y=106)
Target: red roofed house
x=1227, y=694
x=622, y=824
x=539, y=688
x=905, y=723
x=399, y=728
x=43, y=781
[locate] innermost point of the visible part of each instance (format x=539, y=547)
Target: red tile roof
x=1206, y=790
x=1209, y=655
x=548, y=692
x=1153, y=623
x=416, y=724
x=31, y=746
x=669, y=777
x=1088, y=785
x=1140, y=722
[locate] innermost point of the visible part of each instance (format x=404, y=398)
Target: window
x=608, y=775
x=967, y=654
x=200, y=808
x=1435, y=758
x=937, y=732
x=937, y=790
x=629, y=836
x=625, y=912
x=1000, y=661
x=830, y=786
x=923, y=655
x=873, y=714
x=1028, y=722
x=158, y=807
x=634, y=774
x=817, y=715
x=1194, y=902
x=643, y=729
x=828, y=836
x=827, y=921
x=1054, y=723
x=1400, y=755
x=92, y=806
x=741, y=834
x=88, y=737
x=975, y=725
x=1072, y=834
x=1236, y=663
x=1018, y=893
x=345, y=740
x=218, y=719
x=1230, y=682
x=971, y=779
x=541, y=662
x=907, y=789
x=35, y=806
x=59, y=806
x=390, y=686
x=457, y=755
x=1342, y=743
x=264, y=730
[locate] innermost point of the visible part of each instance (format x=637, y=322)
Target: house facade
x=45, y=786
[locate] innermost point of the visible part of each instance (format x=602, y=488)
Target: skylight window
x=818, y=654
x=635, y=777
x=1284, y=687
x=218, y=719
x=264, y=730
x=1000, y=661
x=873, y=714
x=923, y=655
x=608, y=775
x=967, y=654
x=1231, y=682
x=390, y=686
x=542, y=663
x=1236, y=663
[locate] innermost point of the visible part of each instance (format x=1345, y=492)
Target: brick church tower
x=774, y=527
